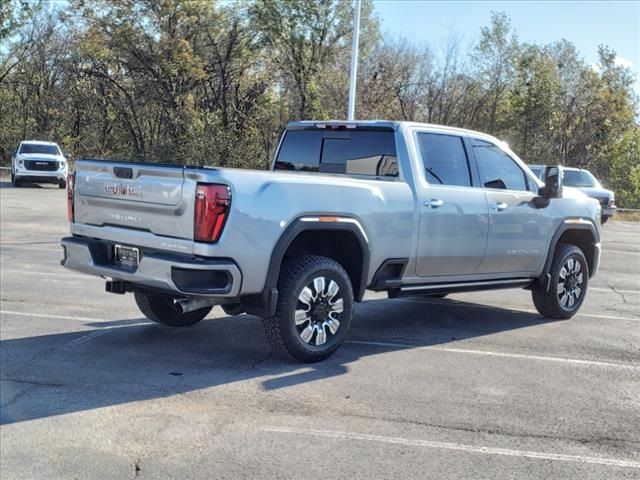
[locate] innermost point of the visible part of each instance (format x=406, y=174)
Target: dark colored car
x=584, y=181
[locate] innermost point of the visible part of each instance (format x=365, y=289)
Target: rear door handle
x=499, y=206
x=434, y=203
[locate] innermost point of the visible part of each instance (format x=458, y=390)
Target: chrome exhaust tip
x=187, y=305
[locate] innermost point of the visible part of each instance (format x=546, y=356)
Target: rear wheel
x=603, y=220
x=314, y=311
x=569, y=279
x=162, y=309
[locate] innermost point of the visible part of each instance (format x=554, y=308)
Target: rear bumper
x=180, y=274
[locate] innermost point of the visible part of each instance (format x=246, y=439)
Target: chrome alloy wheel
x=318, y=311
x=570, y=283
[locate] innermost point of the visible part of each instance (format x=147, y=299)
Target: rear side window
x=496, y=167
x=371, y=153
x=300, y=150
x=445, y=160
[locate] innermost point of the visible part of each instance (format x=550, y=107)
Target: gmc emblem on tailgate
x=122, y=189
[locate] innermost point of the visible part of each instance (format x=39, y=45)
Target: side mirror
x=552, y=182
x=552, y=186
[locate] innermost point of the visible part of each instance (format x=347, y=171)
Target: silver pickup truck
x=406, y=208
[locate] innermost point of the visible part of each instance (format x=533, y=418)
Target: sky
x=586, y=24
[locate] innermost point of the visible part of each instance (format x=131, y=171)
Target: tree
x=624, y=167
x=305, y=38
x=495, y=57
x=16, y=33
x=534, y=103
x=214, y=83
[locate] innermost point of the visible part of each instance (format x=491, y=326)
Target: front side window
x=497, y=169
x=444, y=159
x=39, y=148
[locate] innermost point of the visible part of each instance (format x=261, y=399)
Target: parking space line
x=40, y=248
x=48, y=315
x=460, y=447
x=89, y=336
x=512, y=310
x=605, y=289
x=544, y=358
x=28, y=244
x=608, y=317
x=84, y=338
x=49, y=274
x=575, y=361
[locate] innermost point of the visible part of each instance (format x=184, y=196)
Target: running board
x=462, y=286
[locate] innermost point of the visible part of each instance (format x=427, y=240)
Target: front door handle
x=434, y=203
x=499, y=206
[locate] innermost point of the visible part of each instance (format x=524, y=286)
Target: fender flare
x=319, y=222
x=567, y=225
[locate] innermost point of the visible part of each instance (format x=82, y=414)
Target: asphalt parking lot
x=473, y=386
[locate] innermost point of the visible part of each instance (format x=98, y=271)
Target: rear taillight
x=71, y=177
x=612, y=202
x=212, y=209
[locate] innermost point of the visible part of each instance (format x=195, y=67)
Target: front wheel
x=14, y=181
x=62, y=184
x=162, y=309
x=603, y=219
x=568, y=288
x=314, y=311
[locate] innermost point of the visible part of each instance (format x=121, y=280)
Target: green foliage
x=624, y=167
x=532, y=111
x=214, y=83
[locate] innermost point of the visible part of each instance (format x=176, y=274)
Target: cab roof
x=393, y=124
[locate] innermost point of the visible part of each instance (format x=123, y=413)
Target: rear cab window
x=361, y=152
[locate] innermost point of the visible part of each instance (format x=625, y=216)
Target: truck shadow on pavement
x=132, y=360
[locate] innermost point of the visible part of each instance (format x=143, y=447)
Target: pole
x=354, y=61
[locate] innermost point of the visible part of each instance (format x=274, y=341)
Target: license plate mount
x=127, y=257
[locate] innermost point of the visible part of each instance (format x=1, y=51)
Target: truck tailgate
x=144, y=197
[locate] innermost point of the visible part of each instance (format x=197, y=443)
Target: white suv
x=38, y=162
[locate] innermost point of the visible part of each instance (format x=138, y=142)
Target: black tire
x=287, y=337
x=14, y=181
x=232, y=308
x=603, y=219
x=160, y=309
x=549, y=303
x=62, y=184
